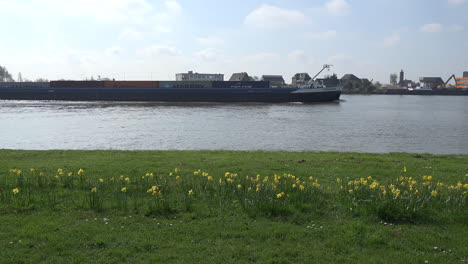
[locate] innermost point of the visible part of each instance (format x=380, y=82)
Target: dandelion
x=190, y=192
x=93, y=190
x=124, y=189
x=15, y=191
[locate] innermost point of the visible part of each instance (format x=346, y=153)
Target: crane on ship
x=450, y=78
x=310, y=83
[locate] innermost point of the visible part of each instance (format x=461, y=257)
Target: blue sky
x=144, y=39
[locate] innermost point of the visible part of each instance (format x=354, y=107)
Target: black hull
x=277, y=95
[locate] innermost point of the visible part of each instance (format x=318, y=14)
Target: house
x=349, y=78
x=240, y=77
x=430, y=82
x=275, y=80
x=195, y=76
x=300, y=79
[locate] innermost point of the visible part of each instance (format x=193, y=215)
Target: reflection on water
x=433, y=124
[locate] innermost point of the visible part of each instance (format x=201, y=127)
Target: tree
x=393, y=79
x=5, y=76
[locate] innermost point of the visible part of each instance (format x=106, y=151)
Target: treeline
x=5, y=76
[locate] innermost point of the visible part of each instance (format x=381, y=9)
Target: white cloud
x=338, y=7
x=162, y=29
x=456, y=2
x=433, y=28
x=159, y=50
x=455, y=28
x=298, y=56
x=102, y=10
x=261, y=57
x=268, y=16
x=321, y=35
x=130, y=34
x=390, y=41
x=173, y=7
x=113, y=51
x=210, y=41
x=209, y=54
x=340, y=58
x=436, y=28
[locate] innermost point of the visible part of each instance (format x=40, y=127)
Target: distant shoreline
x=462, y=92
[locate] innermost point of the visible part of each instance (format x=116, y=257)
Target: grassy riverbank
x=272, y=207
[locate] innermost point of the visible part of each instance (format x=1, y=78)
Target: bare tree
x=5, y=76
x=393, y=79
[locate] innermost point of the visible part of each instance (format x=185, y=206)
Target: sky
x=155, y=39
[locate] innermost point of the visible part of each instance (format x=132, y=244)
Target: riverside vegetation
x=232, y=207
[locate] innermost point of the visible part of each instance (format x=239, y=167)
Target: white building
x=195, y=76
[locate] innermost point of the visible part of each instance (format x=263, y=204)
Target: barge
x=170, y=91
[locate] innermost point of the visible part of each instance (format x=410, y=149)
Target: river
x=358, y=123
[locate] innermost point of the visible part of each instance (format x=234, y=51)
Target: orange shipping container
x=131, y=84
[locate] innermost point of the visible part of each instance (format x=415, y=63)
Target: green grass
x=54, y=222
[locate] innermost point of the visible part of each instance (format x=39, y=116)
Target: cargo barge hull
x=267, y=95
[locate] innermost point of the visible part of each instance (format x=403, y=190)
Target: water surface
x=374, y=123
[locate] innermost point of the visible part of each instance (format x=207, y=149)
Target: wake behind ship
x=171, y=91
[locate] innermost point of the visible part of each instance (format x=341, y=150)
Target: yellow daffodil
x=190, y=192
x=124, y=189
x=33, y=170
x=94, y=190
x=434, y=193
x=239, y=186
x=101, y=180
x=80, y=172
x=280, y=195
x=301, y=187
